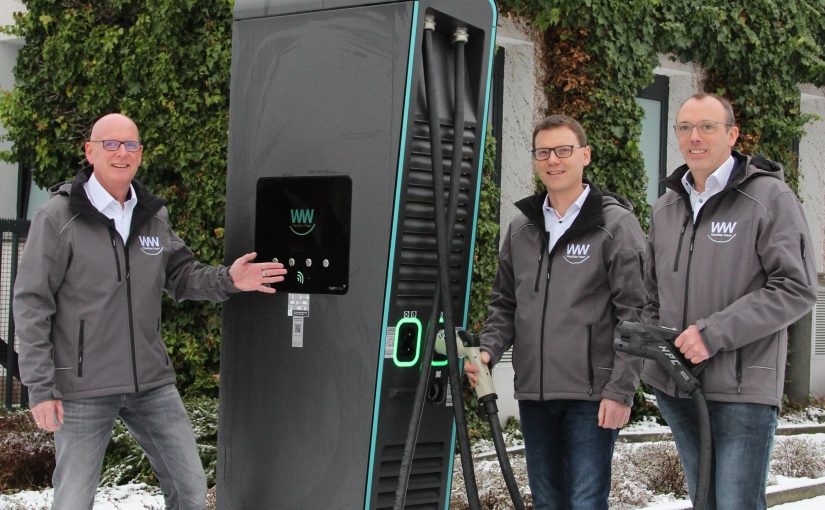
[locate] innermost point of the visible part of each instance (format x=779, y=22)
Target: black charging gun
x=657, y=343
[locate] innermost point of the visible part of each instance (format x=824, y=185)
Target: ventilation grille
x=424, y=491
x=506, y=358
x=819, y=324
x=418, y=266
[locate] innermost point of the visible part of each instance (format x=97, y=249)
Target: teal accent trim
x=483, y=140
x=418, y=327
x=390, y=266
x=450, y=469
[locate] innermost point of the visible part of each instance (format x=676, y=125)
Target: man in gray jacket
x=87, y=304
x=729, y=264
x=570, y=268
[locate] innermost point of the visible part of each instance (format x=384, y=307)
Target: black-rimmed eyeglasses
x=562, y=151
x=113, y=145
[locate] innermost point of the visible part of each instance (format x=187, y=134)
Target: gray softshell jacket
x=87, y=308
x=742, y=272
x=558, y=309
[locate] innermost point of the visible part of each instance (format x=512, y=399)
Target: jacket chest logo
x=150, y=245
x=722, y=231
x=576, y=253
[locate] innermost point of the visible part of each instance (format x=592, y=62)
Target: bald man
x=87, y=306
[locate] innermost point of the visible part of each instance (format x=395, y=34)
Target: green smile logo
x=302, y=221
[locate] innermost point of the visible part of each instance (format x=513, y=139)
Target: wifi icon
x=300, y=276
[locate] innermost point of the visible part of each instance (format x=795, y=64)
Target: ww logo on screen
x=302, y=221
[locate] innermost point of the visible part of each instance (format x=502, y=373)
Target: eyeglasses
x=705, y=127
x=562, y=151
x=113, y=145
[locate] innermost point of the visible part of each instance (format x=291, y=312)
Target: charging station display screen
x=304, y=223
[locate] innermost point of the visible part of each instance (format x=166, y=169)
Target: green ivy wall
x=165, y=63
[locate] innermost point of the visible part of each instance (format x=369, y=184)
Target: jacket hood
x=79, y=201
x=61, y=188
x=532, y=206
x=745, y=168
x=609, y=198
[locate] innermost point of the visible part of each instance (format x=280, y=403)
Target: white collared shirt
x=555, y=224
x=715, y=183
x=110, y=207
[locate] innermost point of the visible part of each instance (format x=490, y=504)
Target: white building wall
x=684, y=82
x=811, y=158
x=522, y=102
x=812, y=193
x=518, y=117
x=9, y=46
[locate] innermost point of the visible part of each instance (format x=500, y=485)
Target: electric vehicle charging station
x=330, y=172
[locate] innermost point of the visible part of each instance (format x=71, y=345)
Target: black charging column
x=329, y=172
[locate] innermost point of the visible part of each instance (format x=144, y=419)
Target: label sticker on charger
x=298, y=309
x=297, y=332
x=298, y=305
x=390, y=344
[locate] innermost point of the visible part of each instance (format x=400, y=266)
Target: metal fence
x=13, y=233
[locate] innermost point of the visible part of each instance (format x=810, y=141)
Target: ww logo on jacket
x=150, y=245
x=576, y=253
x=722, y=231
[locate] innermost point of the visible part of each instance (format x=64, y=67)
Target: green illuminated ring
x=398, y=325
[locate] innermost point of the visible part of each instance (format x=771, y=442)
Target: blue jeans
x=568, y=454
x=159, y=423
x=742, y=442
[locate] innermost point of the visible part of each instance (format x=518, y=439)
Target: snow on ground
x=124, y=497
x=143, y=497
x=808, y=504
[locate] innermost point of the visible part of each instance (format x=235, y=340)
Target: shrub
x=492, y=490
x=644, y=405
x=26, y=453
x=656, y=466
x=125, y=462
x=798, y=457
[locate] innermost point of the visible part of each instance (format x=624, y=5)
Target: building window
x=653, y=100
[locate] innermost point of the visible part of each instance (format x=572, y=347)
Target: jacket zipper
x=687, y=281
x=738, y=355
x=131, y=316
x=541, y=339
x=538, y=272
x=114, y=249
x=80, y=350
x=679, y=246
x=590, y=358
x=804, y=260
x=687, y=284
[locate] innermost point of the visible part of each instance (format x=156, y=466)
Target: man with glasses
x=570, y=268
x=730, y=265
x=87, y=304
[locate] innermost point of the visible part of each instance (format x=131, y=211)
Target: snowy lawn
x=633, y=474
